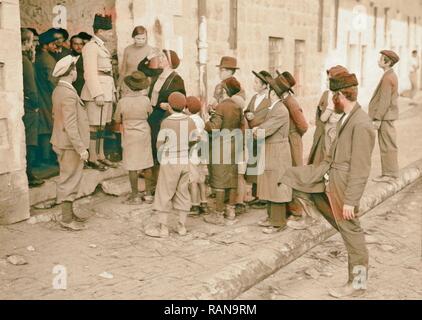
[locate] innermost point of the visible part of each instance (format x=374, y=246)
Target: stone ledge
x=90, y=181
x=279, y=251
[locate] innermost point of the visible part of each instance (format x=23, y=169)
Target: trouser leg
x=388, y=148
x=241, y=190
x=353, y=237
x=71, y=173
x=203, y=193
x=45, y=147
x=220, y=195
x=67, y=212
x=278, y=214
x=30, y=159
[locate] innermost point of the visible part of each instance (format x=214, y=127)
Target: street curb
x=238, y=277
x=90, y=181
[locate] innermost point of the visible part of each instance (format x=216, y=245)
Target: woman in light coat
x=132, y=112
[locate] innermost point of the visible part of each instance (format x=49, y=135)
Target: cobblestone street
x=393, y=233
x=113, y=259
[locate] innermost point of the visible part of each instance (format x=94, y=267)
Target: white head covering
x=63, y=65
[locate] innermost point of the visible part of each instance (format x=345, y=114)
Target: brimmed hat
x=391, y=55
x=231, y=86
x=47, y=37
x=193, y=104
x=343, y=81
x=137, y=81
x=173, y=58
x=63, y=65
x=263, y=75
x=279, y=85
x=290, y=79
x=62, y=31
x=84, y=36
x=103, y=22
x=228, y=63
x=334, y=71
x=177, y=101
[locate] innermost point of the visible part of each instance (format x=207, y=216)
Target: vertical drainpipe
x=203, y=51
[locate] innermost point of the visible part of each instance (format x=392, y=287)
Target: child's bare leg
x=133, y=178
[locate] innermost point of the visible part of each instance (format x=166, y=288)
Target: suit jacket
x=260, y=113
x=97, y=71
x=44, y=66
x=348, y=164
x=29, y=86
x=383, y=105
x=80, y=81
x=316, y=155
x=60, y=55
x=71, y=125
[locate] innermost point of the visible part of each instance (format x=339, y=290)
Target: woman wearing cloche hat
x=132, y=113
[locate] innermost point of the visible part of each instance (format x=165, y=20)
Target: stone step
x=120, y=186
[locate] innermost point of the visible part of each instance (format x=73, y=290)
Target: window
x=386, y=21
x=320, y=24
x=375, y=26
x=276, y=46
x=299, y=68
x=233, y=24
x=2, y=71
x=336, y=16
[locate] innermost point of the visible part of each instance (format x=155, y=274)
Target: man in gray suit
x=70, y=139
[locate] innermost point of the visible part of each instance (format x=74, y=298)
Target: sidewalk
x=144, y=268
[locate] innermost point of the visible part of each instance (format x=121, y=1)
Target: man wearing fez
x=31, y=116
x=161, y=67
x=44, y=66
x=336, y=185
x=70, y=139
x=383, y=110
x=99, y=90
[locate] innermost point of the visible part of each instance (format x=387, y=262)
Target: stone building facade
x=304, y=37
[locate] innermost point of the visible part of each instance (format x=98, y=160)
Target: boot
x=33, y=181
x=195, y=211
x=216, y=218
x=181, y=226
x=161, y=232
x=230, y=213
x=67, y=218
x=204, y=208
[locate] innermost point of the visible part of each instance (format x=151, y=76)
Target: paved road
x=142, y=268
x=394, y=231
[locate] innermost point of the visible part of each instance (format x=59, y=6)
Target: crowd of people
x=180, y=145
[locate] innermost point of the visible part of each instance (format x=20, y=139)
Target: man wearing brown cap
x=224, y=129
x=173, y=144
x=99, y=89
x=383, y=110
x=336, y=185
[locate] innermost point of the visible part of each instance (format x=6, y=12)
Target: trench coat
x=384, y=105
x=298, y=127
x=259, y=116
x=348, y=165
x=227, y=115
x=133, y=111
x=31, y=116
x=44, y=66
x=277, y=155
x=317, y=153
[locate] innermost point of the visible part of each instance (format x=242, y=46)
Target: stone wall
x=14, y=197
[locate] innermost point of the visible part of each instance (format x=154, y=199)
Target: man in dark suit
x=160, y=67
x=31, y=117
x=383, y=110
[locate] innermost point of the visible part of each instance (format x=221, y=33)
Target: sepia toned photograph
x=229, y=151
